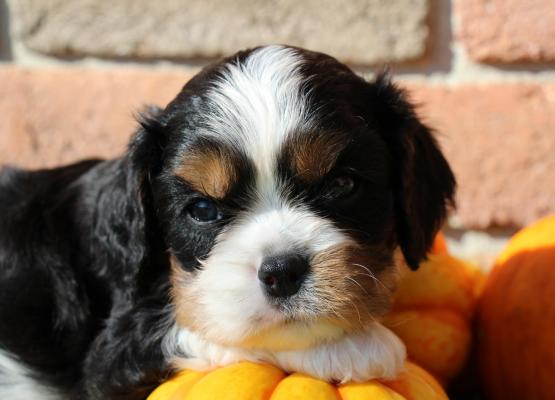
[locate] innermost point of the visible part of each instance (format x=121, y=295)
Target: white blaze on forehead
x=257, y=103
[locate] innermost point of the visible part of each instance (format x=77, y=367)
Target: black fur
x=424, y=185
x=76, y=252
x=84, y=267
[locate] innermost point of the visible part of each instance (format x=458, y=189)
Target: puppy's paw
x=197, y=364
x=186, y=350
x=371, y=354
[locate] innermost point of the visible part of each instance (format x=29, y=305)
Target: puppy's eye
x=204, y=210
x=341, y=187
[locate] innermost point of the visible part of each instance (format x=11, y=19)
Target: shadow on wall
x=439, y=55
x=5, y=46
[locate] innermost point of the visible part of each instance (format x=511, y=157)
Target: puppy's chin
x=278, y=333
x=294, y=335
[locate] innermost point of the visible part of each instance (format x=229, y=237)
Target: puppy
x=262, y=215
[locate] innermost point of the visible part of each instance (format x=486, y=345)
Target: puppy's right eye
x=204, y=211
x=341, y=187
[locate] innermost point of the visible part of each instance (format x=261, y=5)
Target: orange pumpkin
x=249, y=381
x=432, y=314
x=440, y=245
x=516, y=318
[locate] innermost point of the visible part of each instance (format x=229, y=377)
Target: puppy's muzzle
x=283, y=275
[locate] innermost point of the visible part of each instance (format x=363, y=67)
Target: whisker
x=358, y=284
x=371, y=275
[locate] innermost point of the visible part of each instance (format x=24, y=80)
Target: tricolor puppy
x=262, y=215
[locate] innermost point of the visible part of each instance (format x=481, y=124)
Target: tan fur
x=211, y=172
x=312, y=157
x=354, y=285
x=180, y=279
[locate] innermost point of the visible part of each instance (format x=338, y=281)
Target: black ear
x=424, y=184
x=144, y=161
x=146, y=147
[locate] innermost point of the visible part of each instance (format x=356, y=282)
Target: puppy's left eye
x=204, y=210
x=341, y=187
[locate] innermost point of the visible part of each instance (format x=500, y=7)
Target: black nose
x=283, y=275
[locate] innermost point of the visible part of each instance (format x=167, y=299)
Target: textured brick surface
x=50, y=117
x=508, y=30
x=499, y=138
x=361, y=31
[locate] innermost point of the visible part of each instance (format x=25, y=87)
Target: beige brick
x=507, y=31
x=499, y=138
x=359, y=31
x=500, y=141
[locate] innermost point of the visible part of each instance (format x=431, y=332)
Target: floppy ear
x=124, y=232
x=424, y=184
x=146, y=147
x=143, y=162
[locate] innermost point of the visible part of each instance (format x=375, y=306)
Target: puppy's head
x=284, y=184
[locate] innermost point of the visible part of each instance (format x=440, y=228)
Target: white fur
x=17, y=382
x=376, y=353
x=227, y=290
x=257, y=104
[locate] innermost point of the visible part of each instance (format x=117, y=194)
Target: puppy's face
x=284, y=187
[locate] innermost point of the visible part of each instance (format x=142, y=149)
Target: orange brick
x=49, y=117
x=507, y=31
x=500, y=141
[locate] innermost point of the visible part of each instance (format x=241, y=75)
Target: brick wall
x=73, y=72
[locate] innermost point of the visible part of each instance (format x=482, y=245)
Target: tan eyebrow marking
x=313, y=156
x=209, y=171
